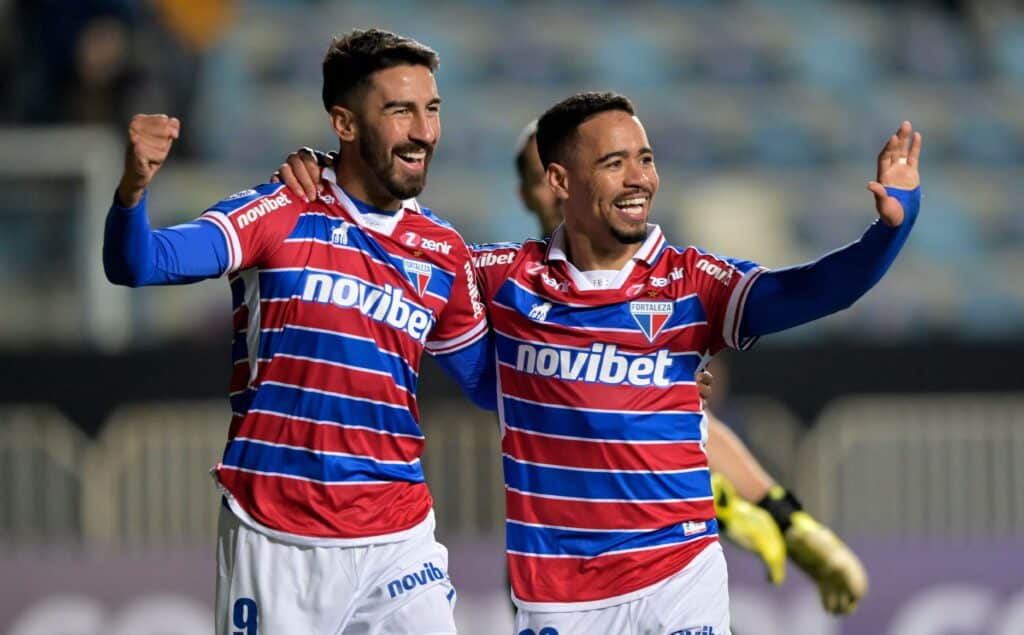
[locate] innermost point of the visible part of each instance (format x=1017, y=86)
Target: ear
x=343, y=121
x=558, y=180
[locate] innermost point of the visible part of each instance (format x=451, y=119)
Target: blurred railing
x=934, y=467
x=146, y=480
x=41, y=455
x=930, y=466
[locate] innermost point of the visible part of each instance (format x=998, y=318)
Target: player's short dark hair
x=557, y=127
x=354, y=57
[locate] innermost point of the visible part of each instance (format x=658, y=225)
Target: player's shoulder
x=432, y=217
x=491, y=255
x=428, y=231
x=697, y=262
x=249, y=205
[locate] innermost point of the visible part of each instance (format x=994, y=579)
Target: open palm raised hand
x=897, y=168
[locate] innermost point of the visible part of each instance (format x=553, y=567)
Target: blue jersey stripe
x=329, y=407
x=242, y=401
x=237, y=292
x=684, y=365
x=324, y=468
x=338, y=348
x=319, y=227
x=608, y=426
x=523, y=538
x=631, y=486
x=685, y=311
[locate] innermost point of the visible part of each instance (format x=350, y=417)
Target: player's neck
x=356, y=178
x=590, y=255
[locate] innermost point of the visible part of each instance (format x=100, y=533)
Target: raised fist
x=149, y=141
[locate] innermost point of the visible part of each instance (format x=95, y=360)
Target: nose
x=636, y=174
x=426, y=128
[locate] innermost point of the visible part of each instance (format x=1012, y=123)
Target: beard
x=383, y=163
x=629, y=236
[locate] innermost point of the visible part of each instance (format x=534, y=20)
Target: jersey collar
x=647, y=254
x=384, y=226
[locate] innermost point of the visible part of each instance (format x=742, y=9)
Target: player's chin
x=630, y=233
x=408, y=185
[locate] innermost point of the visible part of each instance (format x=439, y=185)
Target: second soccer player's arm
x=783, y=298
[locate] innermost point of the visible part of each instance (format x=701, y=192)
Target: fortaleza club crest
x=650, y=316
x=418, y=273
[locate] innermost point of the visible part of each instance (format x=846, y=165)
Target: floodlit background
x=900, y=421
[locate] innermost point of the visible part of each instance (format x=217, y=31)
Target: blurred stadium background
x=900, y=421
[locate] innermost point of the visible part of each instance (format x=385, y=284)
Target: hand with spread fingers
x=836, y=570
x=839, y=574
x=897, y=168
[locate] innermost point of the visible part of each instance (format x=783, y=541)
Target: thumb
x=889, y=209
x=878, y=190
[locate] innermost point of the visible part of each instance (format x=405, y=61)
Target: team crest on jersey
x=418, y=273
x=650, y=316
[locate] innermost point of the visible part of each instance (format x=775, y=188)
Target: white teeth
x=413, y=157
x=633, y=202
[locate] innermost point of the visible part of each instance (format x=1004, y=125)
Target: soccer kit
x=607, y=486
x=328, y=526
x=610, y=517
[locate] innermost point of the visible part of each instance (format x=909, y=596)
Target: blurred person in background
x=590, y=542
x=327, y=524
x=835, y=569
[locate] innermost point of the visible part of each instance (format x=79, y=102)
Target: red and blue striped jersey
x=332, y=311
x=606, y=478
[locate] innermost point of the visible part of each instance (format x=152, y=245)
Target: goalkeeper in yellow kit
x=774, y=527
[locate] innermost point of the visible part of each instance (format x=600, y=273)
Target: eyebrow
x=622, y=154
x=410, y=104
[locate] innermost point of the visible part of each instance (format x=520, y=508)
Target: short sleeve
x=722, y=284
x=463, y=320
x=493, y=264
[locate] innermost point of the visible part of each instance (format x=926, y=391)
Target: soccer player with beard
x=836, y=570
x=327, y=525
x=598, y=330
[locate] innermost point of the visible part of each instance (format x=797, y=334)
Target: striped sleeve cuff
x=230, y=237
x=446, y=347
x=734, y=312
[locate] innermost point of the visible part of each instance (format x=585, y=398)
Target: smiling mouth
x=414, y=160
x=632, y=207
